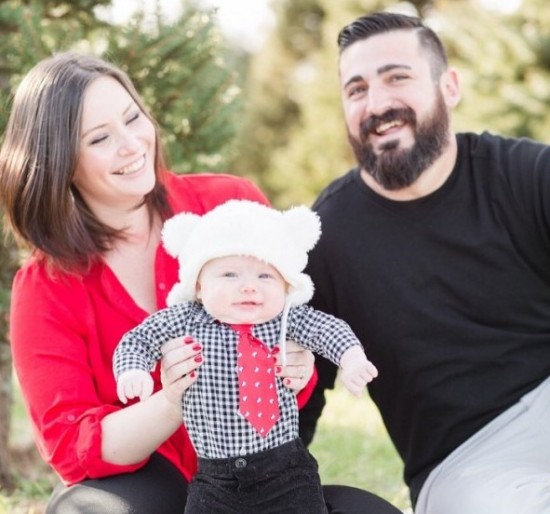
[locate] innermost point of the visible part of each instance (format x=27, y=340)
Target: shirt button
x=162, y=286
x=71, y=417
x=240, y=463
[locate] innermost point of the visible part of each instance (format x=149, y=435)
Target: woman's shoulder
x=200, y=192
x=36, y=278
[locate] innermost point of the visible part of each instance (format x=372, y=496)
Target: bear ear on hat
x=176, y=295
x=303, y=226
x=177, y=230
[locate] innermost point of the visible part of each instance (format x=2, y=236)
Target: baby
x=241, y=292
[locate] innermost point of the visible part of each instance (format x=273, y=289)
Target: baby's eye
x=229, y=274
x=265, y=276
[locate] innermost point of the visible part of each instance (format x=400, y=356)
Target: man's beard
x=396, y=168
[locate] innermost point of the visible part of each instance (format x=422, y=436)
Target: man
x=436, y=250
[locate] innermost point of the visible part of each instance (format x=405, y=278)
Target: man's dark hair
x=381, y=22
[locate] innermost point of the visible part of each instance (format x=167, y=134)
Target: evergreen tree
x=181, y=72
x=271, y=107
x=504, y=79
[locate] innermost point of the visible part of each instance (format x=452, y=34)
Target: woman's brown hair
x=38, y=159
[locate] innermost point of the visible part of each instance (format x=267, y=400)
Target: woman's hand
x=299, y=365
x=181, y=358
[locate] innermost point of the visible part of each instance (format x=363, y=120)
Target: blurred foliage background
x=274, y=114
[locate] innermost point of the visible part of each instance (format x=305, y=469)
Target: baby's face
x=241, y=290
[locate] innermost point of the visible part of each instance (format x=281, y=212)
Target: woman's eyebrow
x=132, y=103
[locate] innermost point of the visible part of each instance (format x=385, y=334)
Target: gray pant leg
x=503, y=469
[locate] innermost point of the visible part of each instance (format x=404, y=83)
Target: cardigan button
x=162, y=286
x=71, y=417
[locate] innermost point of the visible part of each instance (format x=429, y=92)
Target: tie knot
x=242, y=329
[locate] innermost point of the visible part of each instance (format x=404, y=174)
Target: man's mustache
x=371, y=124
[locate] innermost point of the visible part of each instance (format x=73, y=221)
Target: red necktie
x=258, y=401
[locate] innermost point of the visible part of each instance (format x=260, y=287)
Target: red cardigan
x=63, y=332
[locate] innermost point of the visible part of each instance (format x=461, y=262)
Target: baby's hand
x=135, y=383
x=357, y=370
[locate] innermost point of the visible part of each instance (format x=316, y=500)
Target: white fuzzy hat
x=243, y=227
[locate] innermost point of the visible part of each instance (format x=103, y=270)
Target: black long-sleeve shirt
x=450, y=293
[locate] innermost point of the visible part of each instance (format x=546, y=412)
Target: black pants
x=283, y=480
x=159, y=488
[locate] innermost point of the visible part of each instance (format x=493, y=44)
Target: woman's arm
x=132, y=434
x=63, y=333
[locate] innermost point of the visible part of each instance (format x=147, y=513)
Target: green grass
x=351, y=446
x=30, y=496
x=34, y=480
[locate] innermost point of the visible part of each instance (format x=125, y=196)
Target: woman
x=84, y=188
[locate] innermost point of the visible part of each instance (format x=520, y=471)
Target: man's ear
x=450, y=87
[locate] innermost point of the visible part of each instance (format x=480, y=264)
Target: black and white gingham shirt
x=210, y=405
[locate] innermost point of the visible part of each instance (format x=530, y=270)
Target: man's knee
x=484, y=493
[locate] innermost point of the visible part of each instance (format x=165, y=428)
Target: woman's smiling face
x=116, y=156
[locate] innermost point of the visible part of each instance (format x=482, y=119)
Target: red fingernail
x=192, y=374
x=276, y=350
x=187, y=339
x=287, y=381
x=278, y=369
x=198, y=358
x=196, y=347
